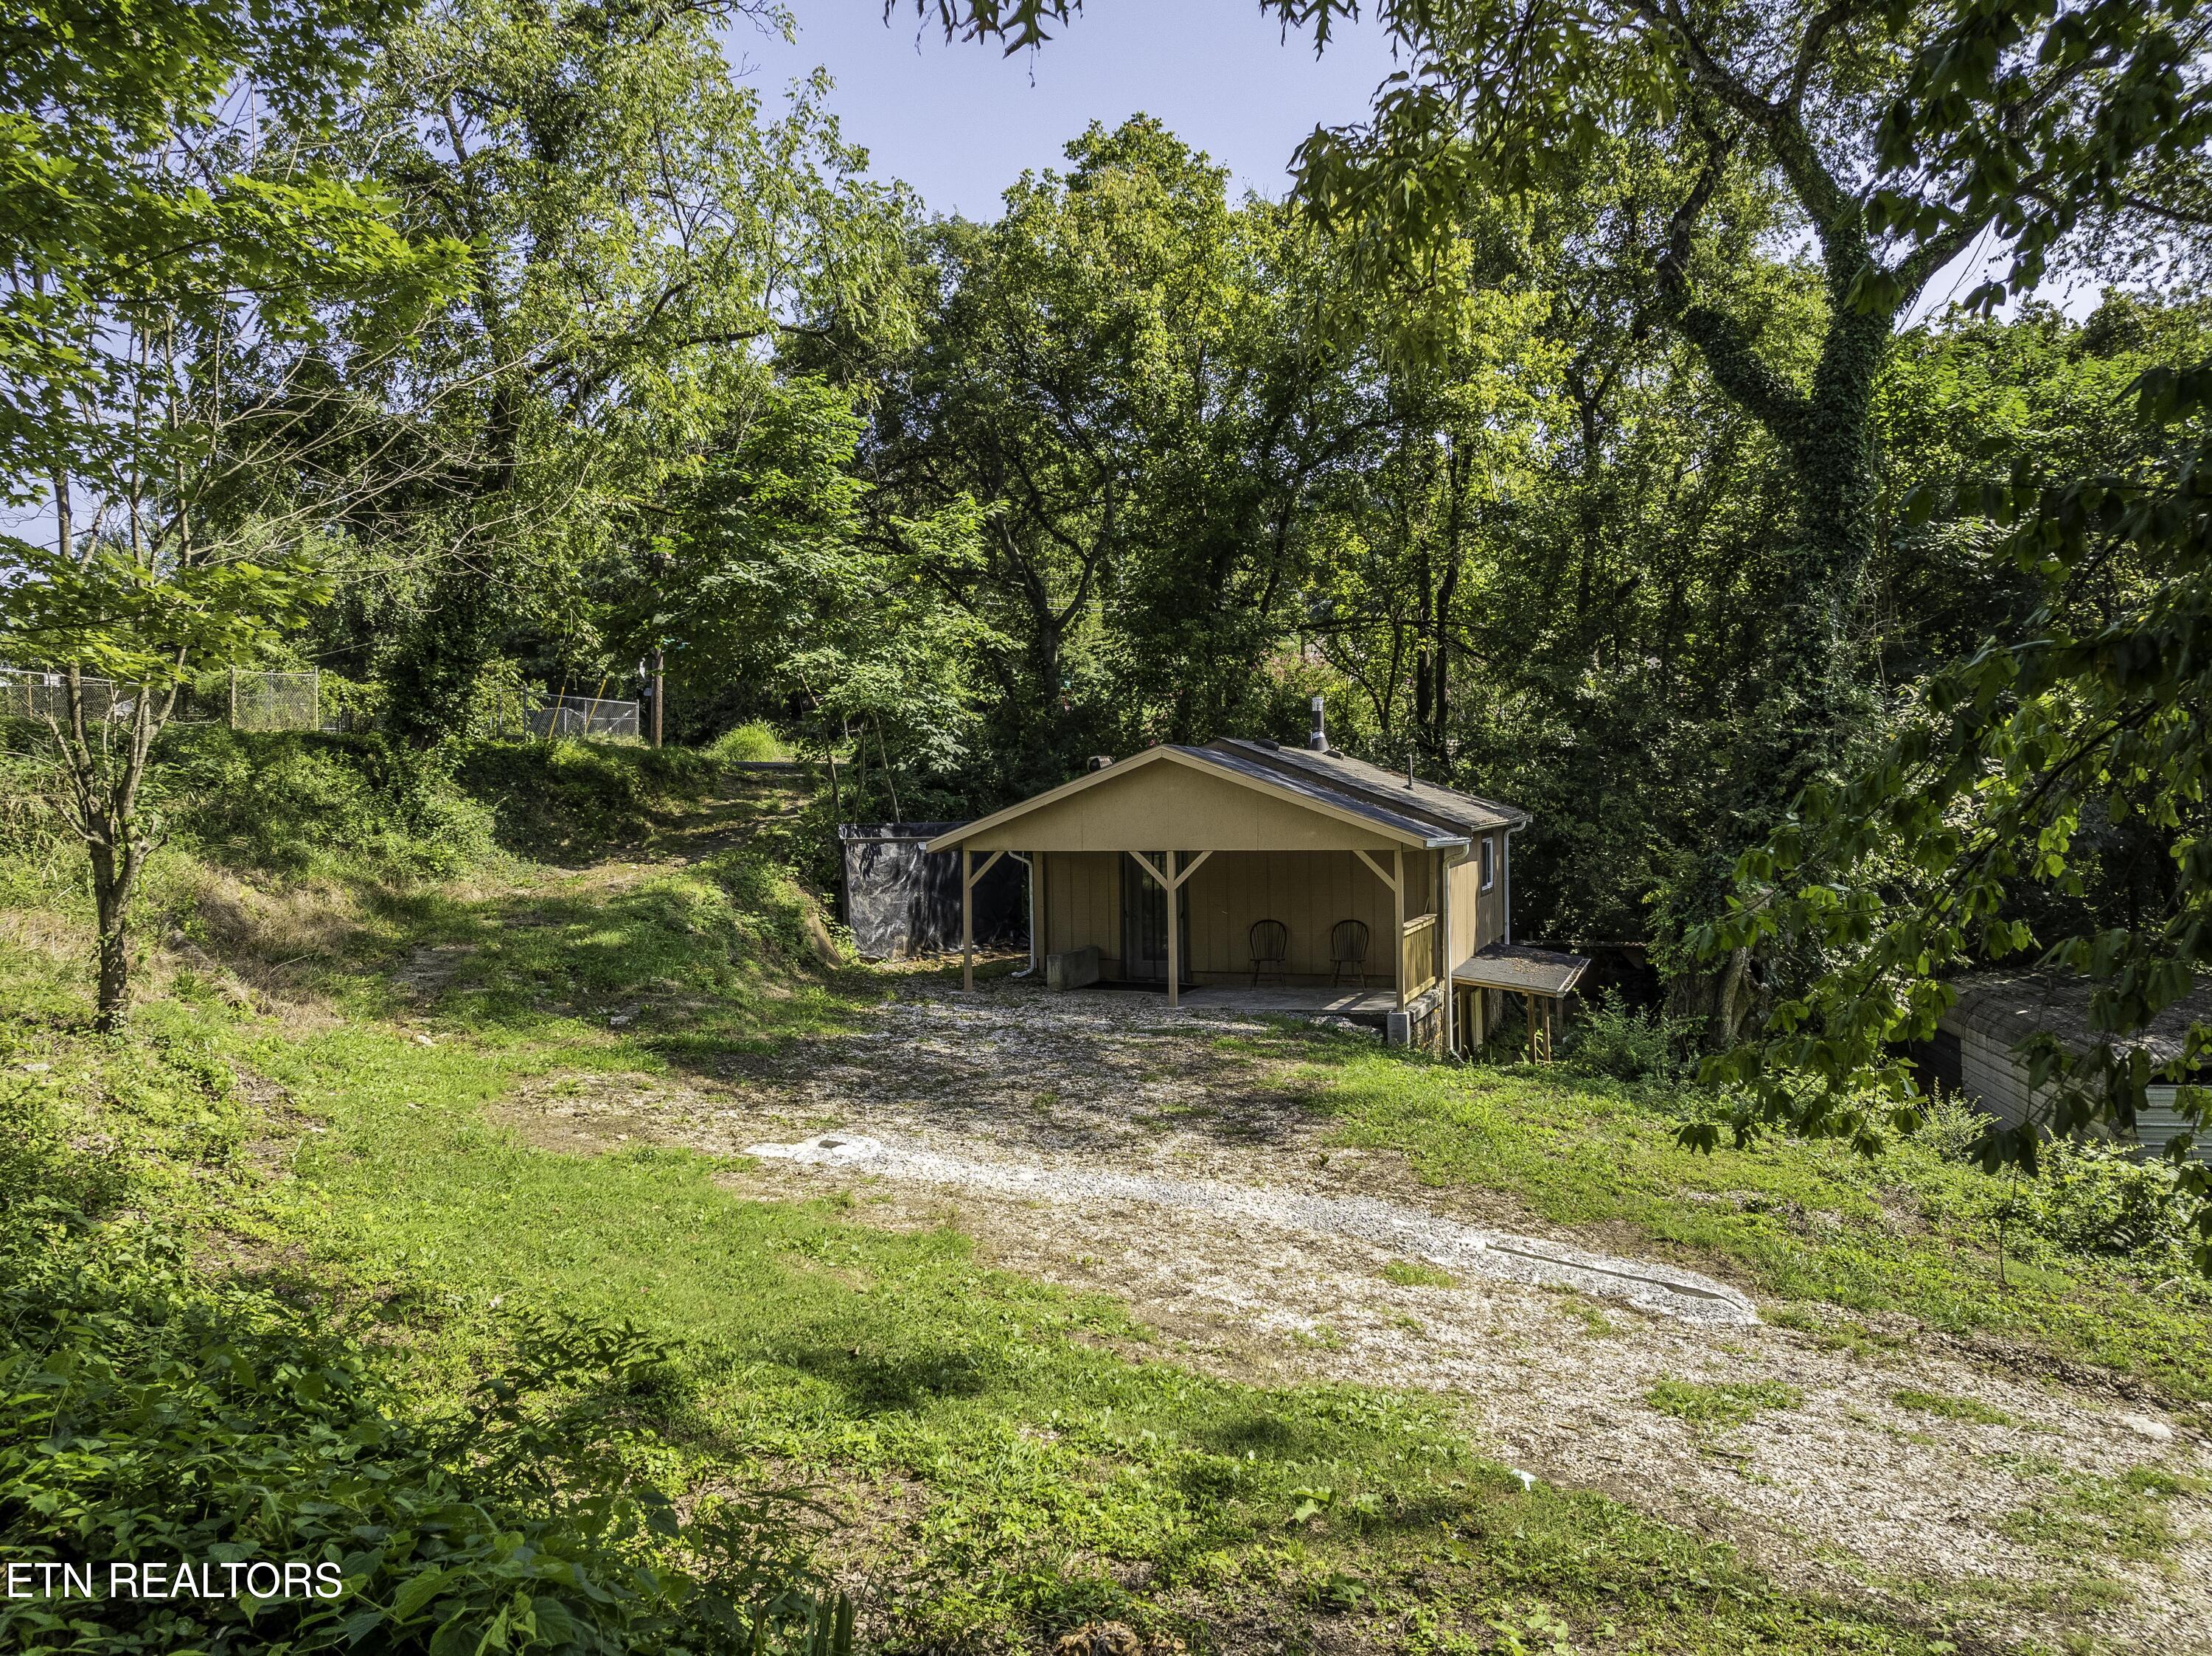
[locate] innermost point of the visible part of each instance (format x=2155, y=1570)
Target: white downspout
x=1509, y=886
x=1450, y=861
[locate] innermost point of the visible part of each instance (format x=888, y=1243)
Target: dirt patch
x=1830, y=1483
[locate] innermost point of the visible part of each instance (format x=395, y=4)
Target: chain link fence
x=275, y=701
x=45, y=695
x=246, y=701
x=525, y=713
x=253, y=700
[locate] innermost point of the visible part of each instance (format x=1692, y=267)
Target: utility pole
x=656, y=562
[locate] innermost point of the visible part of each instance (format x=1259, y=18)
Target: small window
x=1489, y=863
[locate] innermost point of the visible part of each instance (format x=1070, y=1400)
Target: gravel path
x=1412, y=1232
x=1094, y=1142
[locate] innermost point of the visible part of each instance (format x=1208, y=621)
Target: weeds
x=1414, y=1273
x=1809, y=1224
x=1951, y=1408
x=1720, y=1408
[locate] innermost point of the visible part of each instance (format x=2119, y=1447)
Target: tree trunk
x=111, y=904
x=1832, y=456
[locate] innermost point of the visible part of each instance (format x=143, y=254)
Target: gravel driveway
x=1097, y=1142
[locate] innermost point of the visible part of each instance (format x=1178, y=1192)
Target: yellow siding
x=1165, y=802
x=1083, y=905
x=1478, y=916
x=1308, y=891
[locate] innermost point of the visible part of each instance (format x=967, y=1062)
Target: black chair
x=1347, y=951
x=1270, y=945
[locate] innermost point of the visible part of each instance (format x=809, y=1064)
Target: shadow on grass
x=873, y=1384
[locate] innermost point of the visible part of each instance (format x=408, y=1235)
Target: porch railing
x=1416, y=956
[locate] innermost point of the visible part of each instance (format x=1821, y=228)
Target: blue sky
x=962, y=122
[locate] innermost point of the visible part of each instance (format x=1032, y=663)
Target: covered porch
x=1224, y=880
x=1371, y=1006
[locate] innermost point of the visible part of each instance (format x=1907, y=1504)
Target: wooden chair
x=1271, y=945
x=1347, y=951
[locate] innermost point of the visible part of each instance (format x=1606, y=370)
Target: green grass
x=749, y=744
x=2123, y=1518
x=1815, y=1226
x=1950, y=1408
x=1723, y=1407
x=1412, y=1273
x=1010, y=1468
x=1004, y=1459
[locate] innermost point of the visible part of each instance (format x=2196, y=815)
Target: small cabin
x=1300, y=879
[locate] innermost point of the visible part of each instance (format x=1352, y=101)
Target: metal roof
x=1521, y=970
x=1461, y=814
x=2009, y=1007
x=1243, y=758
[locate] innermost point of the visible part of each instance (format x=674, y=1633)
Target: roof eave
x=1358, y=812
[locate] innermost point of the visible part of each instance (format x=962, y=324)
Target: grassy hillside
x=2087, y=1266
x=302, y=1132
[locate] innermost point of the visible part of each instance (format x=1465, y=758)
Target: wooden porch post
x=1444, y=961
x=1036, y=910
x=1175, y=939
x=966, y=918
x=1398, y=947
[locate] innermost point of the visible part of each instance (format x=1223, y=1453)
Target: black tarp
x=901, y=901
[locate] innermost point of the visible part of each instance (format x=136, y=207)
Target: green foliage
x=644, y=222
x=747, y=744
x=1723, y=1407
x=1413, y=1273
x=153, y=1413
x=1611, y=1038
x=771, y=583
x=2124, y=1518
x=1950, y=1408
x=2092, y=1198
x=561, y=798
x=1097, y=456
x=1807, y=1223
x=2095, y=712
x=299, y=805
x=149, y=1418
x=2082, y=725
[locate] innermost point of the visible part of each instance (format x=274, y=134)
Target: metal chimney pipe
x=1319, y=740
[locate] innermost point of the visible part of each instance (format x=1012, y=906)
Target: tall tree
x=1120, y=377
x=1974, y=835
x=646, y=234
x=1507, y=96
x=175, y=239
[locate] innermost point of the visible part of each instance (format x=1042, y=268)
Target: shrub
x=167, y=1422
x=150, y=1413
x=567, y=798
x=294, y=804
x=2099, y=1198
x=748, y=744
x=1611, y=1038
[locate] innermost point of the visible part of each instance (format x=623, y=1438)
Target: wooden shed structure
x=1295, y=869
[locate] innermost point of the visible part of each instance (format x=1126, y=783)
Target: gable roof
x=1410, y=818
x=1467, y=813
